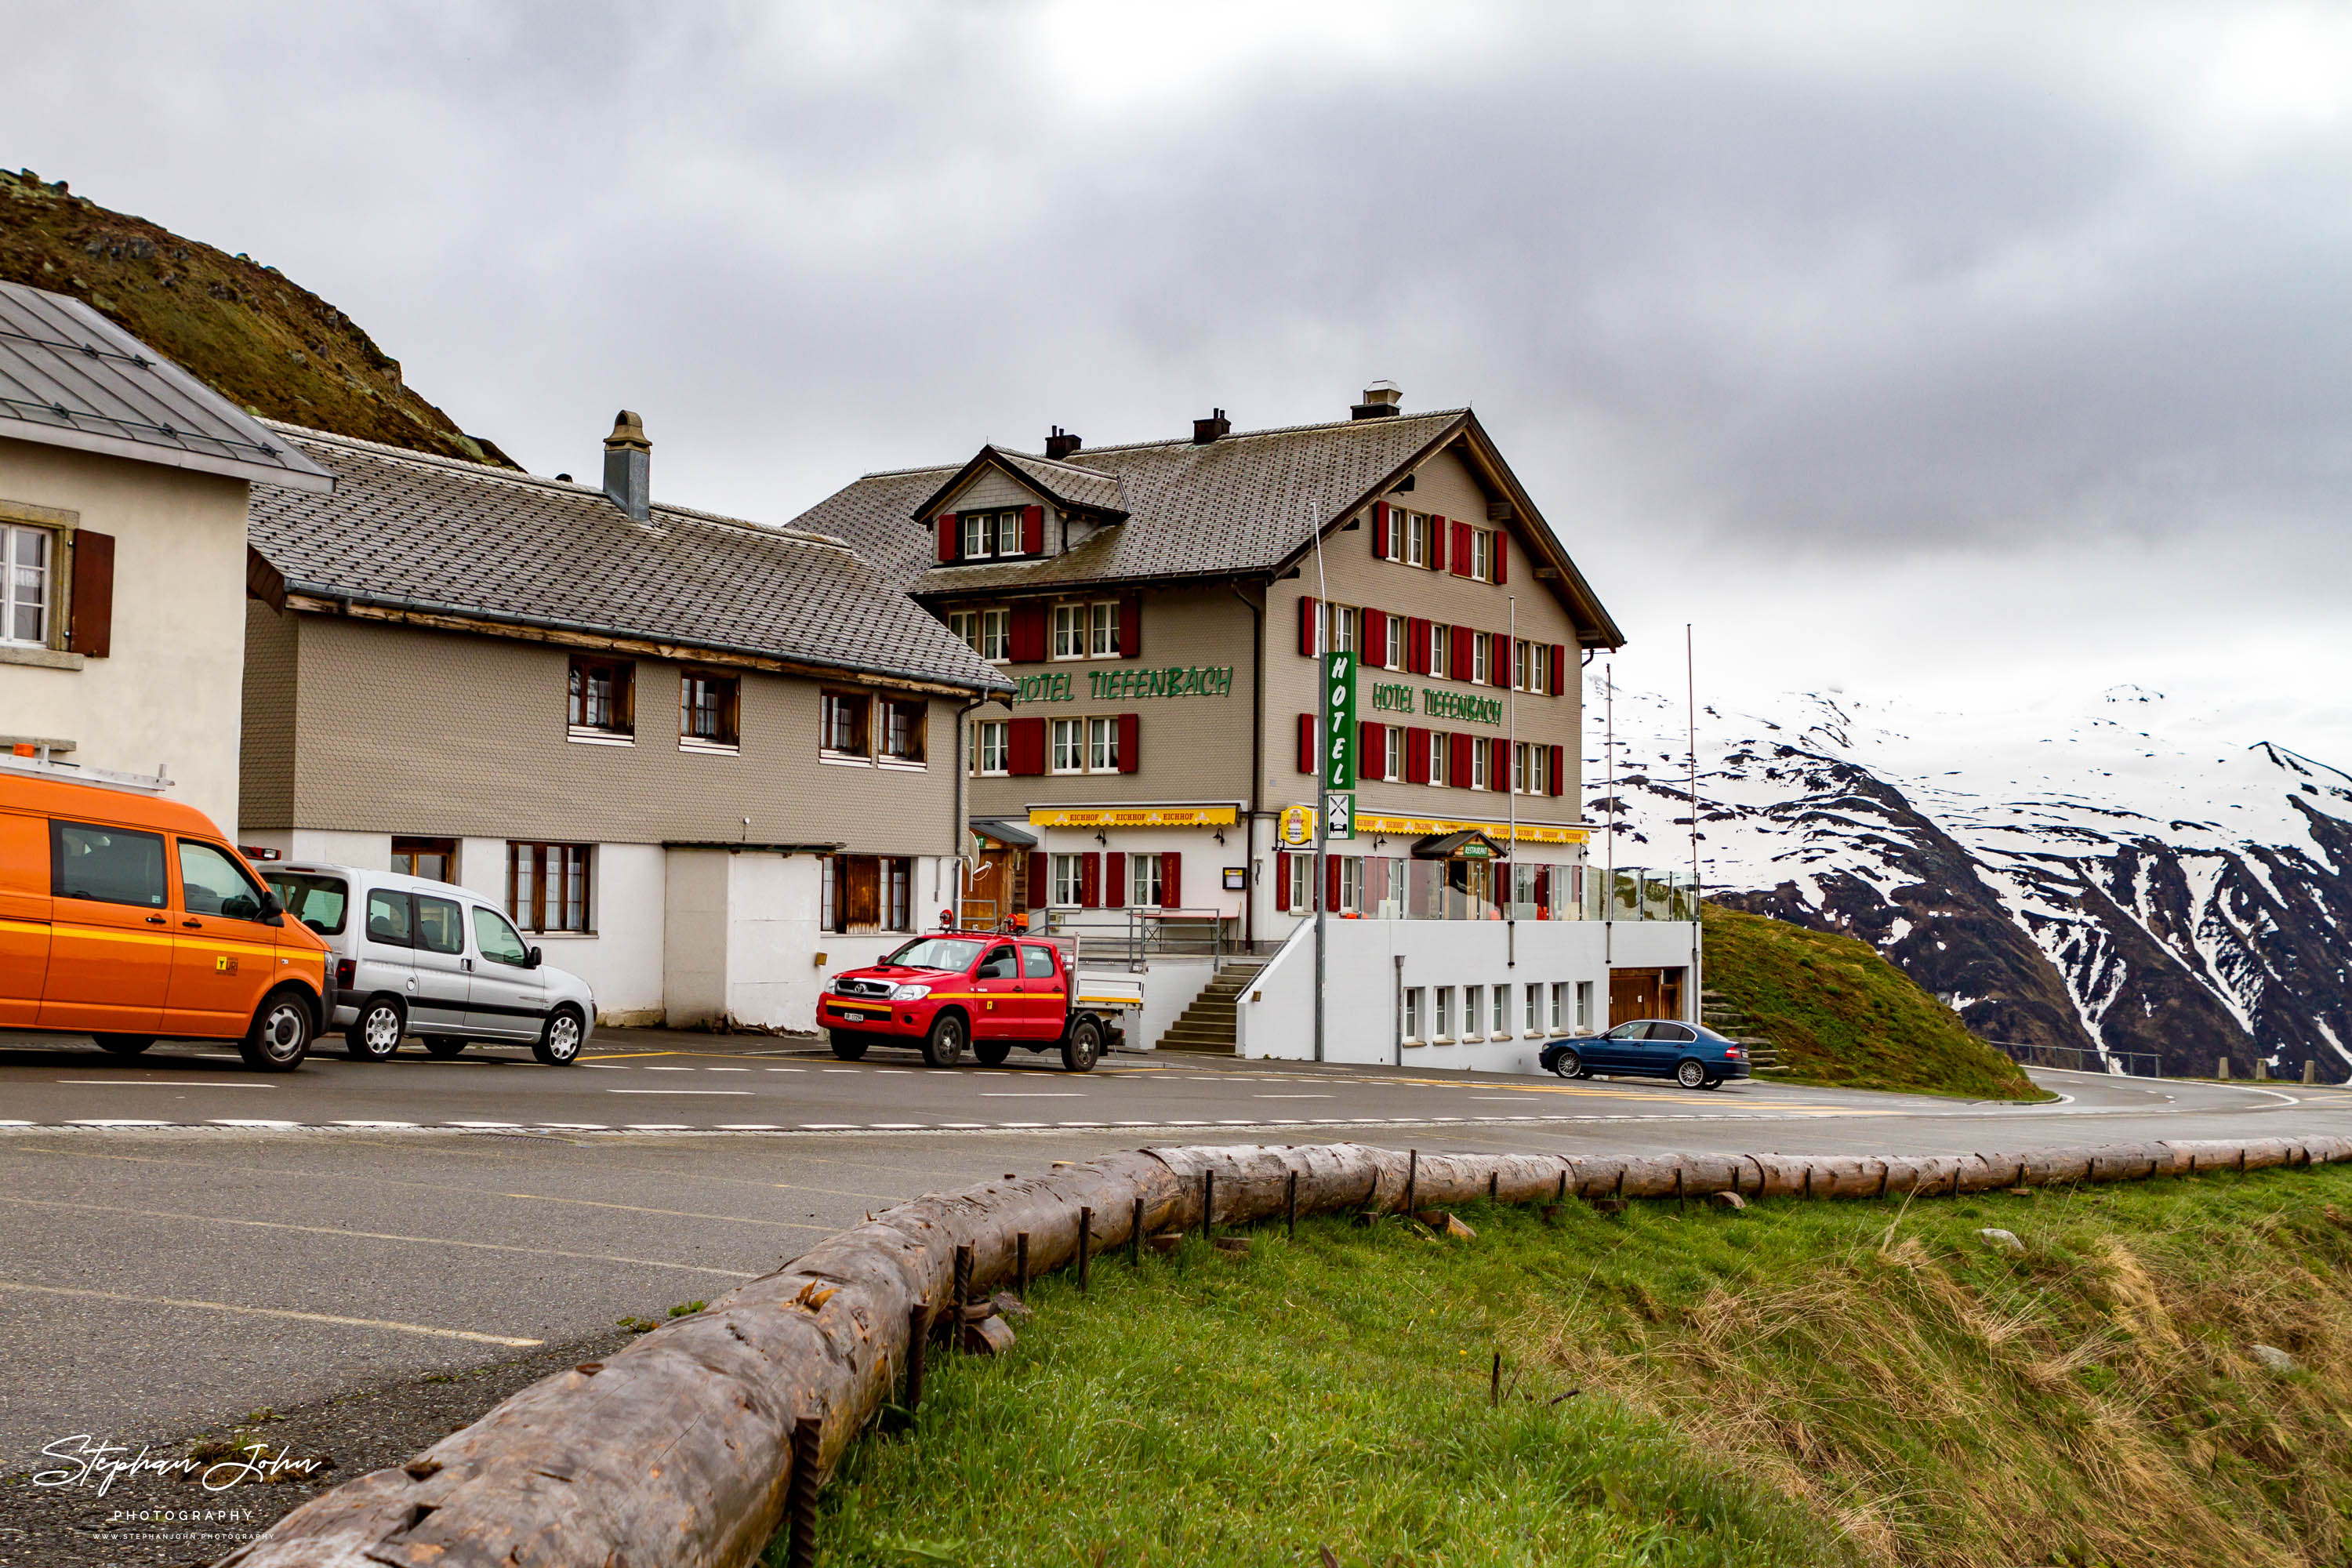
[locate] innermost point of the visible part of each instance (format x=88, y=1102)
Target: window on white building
x=1144, y=886
x=1535, y=1010
x=1473, y=1000
x=1413, y=1014
x=1442, y=1019
x=1068, y=874
x=1584, y=1006
x=27, y=585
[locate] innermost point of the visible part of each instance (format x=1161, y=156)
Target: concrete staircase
x=1724, y=1018
x=1208, y=1024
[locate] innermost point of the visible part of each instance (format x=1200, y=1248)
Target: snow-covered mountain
x=2135, y=878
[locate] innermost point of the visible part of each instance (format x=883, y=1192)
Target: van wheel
x=1082, y=1047
x=849, y=1047
x=123, y=1045
x=1691, y=1074
x=943, y=1047
x=991, y=1053
x=281, y=1036
x=375, y=1034
x=444, y=1046
x=558, y=1043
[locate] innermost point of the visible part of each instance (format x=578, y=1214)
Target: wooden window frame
x=828, y=704
x=730, y=705
x=916, y=756
x=580, y=672
x=412, y=848
x=527, y=906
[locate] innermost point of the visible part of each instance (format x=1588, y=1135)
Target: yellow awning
x=1423, y=827
x=1134, y=816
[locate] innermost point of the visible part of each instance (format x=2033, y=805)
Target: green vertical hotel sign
x=1339, y=731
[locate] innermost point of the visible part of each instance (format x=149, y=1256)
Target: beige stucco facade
x=167, y=694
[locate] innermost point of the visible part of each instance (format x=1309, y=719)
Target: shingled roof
x=70, y=377
x=1247, y=504
x=411, y=531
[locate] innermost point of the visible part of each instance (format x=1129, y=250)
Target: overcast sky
x=1972, y=350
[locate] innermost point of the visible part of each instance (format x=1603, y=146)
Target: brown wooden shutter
x=1558, y=770
x=1306, y=627
x=1375, y=640
x=1380, y=530
x=1115, y=880
x=1502, y=555
x=1041, y=886
x=90, y=629
x=1171, y=879
x=1457, y=761
x=951, y=537
x=1130, y=743
x=1307, y=742
x=1462, y=561
x=1281, y=882
x=1033, y=530
x=1024, y=746
x=1090, y=881
x=1436, y=544
x=1026, y=633
x=1131, y=625
x=1416, y=755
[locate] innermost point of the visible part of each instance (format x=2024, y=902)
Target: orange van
x=133, y=920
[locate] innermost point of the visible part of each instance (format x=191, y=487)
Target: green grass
x=1840, y=1013
x=1817, y=1384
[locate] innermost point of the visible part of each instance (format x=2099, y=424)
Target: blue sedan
x=1691, y=1054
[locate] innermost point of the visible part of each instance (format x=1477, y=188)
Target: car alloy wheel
x=1568, y=1064
x=281, y=1036
x=943, y=1047
x=558, y=1043
x=374, y=1036
x=1691, y=1074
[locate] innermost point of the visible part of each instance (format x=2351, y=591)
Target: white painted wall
x=1277, y=1012
x=694, y=937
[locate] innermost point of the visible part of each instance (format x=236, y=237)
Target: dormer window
x=1001, y=534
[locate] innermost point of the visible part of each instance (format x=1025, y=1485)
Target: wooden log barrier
x=680, y=1449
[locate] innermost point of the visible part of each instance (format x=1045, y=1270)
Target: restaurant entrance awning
x=1470, y=844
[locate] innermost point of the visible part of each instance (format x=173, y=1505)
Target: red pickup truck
x=953, y=989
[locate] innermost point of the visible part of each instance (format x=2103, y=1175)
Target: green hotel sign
x=1128, y=682
x=1395, y=697
x=1339, y=712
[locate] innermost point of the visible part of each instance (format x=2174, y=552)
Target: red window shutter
x=1458, y=663
x=1437, y=545
x=1331, y=882
x=1025, y=745
x=1027, y=634
x=951, y=537
x=1498, y=764
x=1506, y=670
x=1306, y=627
x=1090, y=881
x=1416, y=756
x=1033, y=530
x=1558, y=667
x=1281, y=882
x=1307, y=742
x=1130, y=743
x=1374, y=741
x=1375, y=639
x=1462, y=561
x=1041, y=890
x=1457, y=761
x=1559, y=770
x=89, y=627
x=1115, y=888
x=1416, y=646
x=1171, y=879
x=1131, y=625
x=1502, y=555
x=1380, y=530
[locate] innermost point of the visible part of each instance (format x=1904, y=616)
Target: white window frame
x=1584, y=1006
x=17, y=541
x=1482, y=659
x=1146, y=889
x=1481, y=761
x=1499, y=1016
x=1067, y=875
x=1442, y=1019
x=1416, y=538
x=1392, y=657
x=1346, y=621
x=1412, y=1015
x=1473, y=1000
x=1441, y=757
x=1351, y=885
x=1008, y=533
x=1441, y=651
x=1393, y=754
x=1067, y=737
x=1534, y=1009
x=978, y=534
x=1302, y=884
x=1102, y=746
x=1102, y=629
x=1069, y=632
x=991, y=748
x=1482, y=554
x=1559, y=1005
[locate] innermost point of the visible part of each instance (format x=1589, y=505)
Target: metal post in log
x=1493, y=1184
x=799, y=1549
x=1135, y=1236
x=1494, y=1383
x=1021, y=1266
x=1290, y=1208
x=919, y=1335
x=1085, y=1239
x=1411, y=1175
x=1208, y=1203
x=963, y=1288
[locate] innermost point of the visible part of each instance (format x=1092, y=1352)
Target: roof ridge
x=524, y=475
x=1269, y=430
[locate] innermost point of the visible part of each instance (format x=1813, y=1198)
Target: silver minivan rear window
x=317, y=901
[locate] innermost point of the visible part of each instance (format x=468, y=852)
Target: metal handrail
x=2134, y=1064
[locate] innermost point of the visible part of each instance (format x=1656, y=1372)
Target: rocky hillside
x=243, y=328
x=2133, y=880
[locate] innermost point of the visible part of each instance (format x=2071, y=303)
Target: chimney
x=1381, y=400
x=1207, y=430
x=1061, y=444
x=629, y=466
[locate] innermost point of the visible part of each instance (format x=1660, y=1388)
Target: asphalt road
x=182, y=1241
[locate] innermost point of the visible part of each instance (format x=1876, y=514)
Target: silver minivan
x=412, y=956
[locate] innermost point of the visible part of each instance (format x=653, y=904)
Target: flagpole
x=1511, y=784
x=1690, y=707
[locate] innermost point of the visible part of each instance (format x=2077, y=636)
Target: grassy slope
x=1801, y=1383
x=259, y=340
x=1841, y=1015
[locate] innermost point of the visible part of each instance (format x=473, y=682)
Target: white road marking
x=226, y=1121
x=1294, y=1097
x=898, y=1126
x=606, y=1067
x=657, y=1127
x=1021, y=1124
x=273, y=1313
x=677, y=1091
x=493, y=1126
x=783, y=1069
x=165, y=1082
x=651, y=1069
x=572, y=1126
x=837, y=1070
x=1032, y=1094
x=749, y=1127
x=828, y=1126
x=725, y=1069
x=377, y=1125
x=119, y=1121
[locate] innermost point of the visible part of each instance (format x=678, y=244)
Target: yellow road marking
x=272, y=1313
x=377, y=1235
